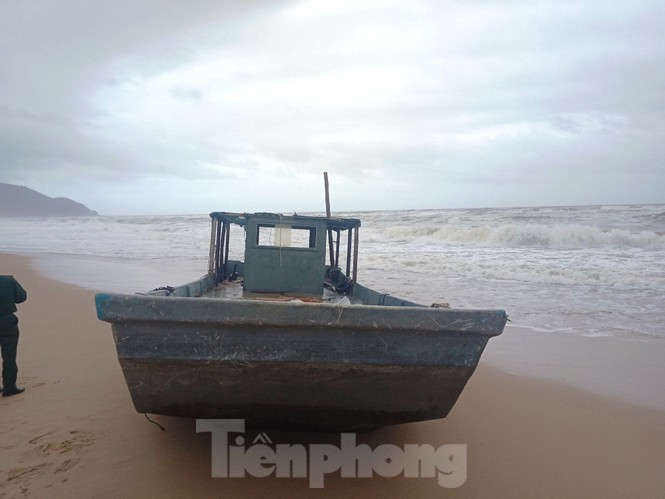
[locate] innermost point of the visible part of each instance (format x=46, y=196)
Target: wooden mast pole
x=330, y=237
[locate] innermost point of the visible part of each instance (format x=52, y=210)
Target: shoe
x=12, y=391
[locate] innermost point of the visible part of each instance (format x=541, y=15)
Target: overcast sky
x=149, y=107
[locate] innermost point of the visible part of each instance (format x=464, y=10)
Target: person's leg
x=9, y=344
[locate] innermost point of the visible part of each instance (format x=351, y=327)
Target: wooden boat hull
x=292, y=365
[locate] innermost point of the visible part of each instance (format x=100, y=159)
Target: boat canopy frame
x=218, y=263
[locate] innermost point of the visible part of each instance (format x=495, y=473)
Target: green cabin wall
x=270, y=269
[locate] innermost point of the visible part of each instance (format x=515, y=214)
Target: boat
x=280, y=333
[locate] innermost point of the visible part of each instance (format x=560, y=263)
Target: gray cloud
x=436, y=104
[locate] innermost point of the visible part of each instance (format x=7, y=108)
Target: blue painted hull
x=294, y=365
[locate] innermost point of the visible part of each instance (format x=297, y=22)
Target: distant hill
x=19, y=201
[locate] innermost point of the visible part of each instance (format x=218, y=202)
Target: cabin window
x=286, y=236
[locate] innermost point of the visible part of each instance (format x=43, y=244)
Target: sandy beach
x=74, y=432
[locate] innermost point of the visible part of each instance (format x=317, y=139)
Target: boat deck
x=233, y=290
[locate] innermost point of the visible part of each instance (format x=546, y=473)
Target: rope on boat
x=154, y=422
x=339, y=282
x=440, y=305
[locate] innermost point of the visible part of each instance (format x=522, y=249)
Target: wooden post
x=356, y=239
x=219, y=254
x=348, y=252
x=227, y=231
x=213, y=247
x=330, y=238
x=327, y=187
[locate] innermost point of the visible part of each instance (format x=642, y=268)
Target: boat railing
x=192, y=289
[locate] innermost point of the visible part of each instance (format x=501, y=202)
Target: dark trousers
x=8, y=344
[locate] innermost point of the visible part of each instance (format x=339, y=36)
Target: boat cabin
x=293, y=254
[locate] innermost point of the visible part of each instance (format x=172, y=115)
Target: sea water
x=587, y=270
x=575, y=280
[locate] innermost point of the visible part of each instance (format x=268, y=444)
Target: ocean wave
x=657, y=217
x=522, y=235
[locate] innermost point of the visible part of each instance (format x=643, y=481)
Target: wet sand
x=74, y=432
